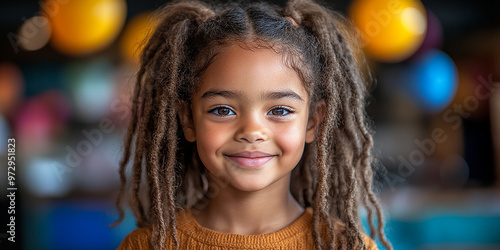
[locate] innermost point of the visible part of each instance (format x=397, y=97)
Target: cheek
x=210, y=137
x=291, y=139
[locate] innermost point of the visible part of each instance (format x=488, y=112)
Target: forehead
x=239, y=67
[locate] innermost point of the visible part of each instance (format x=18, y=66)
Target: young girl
x=248, y=132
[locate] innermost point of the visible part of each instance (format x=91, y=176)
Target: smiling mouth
x=251, y=159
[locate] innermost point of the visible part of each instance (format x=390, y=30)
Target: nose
x=252, y=129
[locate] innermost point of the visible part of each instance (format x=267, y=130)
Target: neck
x=249, y=213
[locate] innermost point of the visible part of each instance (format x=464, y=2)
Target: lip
x=250, y=158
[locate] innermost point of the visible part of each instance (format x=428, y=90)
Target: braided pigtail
x=154, y=119
x=342, y=164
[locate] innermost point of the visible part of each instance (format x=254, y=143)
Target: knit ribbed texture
x=297, y=235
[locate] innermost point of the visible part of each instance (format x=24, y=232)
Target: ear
x=315, y=119
x=186, y=118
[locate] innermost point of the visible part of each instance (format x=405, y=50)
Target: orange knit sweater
x=297, y=235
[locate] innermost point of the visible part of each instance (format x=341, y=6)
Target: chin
x=250, y=184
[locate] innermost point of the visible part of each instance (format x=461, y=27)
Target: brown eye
x=222, y=111
x=279, y=111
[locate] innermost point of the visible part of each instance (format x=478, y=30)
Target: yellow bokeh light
x=84, y=26
x=392, y=29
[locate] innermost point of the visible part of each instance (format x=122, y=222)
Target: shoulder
x=140, y=237
x=370, y=244
x=137, y=239
x=340, y=231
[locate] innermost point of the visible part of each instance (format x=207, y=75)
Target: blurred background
x=66, y=71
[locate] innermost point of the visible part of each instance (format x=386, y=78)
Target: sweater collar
x=188, y=225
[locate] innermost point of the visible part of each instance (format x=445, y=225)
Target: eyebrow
x=233, y=95
x=284, y=94
x=214, y=92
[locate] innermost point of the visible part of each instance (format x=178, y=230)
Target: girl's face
x=250, y=118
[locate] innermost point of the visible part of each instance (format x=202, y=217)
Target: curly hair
x=334, y=175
